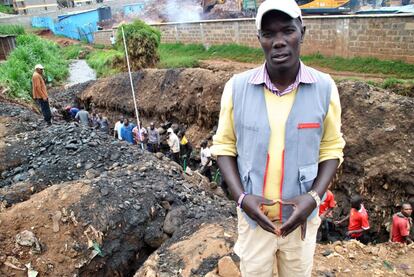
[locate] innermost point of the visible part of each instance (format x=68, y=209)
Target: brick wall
x=382, y=36
x=102, y=37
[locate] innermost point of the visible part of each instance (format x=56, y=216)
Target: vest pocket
x=307, y=175
x=309, y=140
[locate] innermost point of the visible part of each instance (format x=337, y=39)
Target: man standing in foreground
x=40, y=93
x=278, y=144
x=401, y=224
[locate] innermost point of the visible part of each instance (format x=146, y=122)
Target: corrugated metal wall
x=7, y=44
x=80, y=26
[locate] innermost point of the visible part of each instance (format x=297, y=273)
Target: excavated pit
x=131, y=202
x=376, y=125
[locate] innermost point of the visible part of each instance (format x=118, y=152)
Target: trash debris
x=27, y=238
x=30, y=271
x=55, y=219
x=14, y=263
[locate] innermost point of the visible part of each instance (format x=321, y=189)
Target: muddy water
x=80, y=72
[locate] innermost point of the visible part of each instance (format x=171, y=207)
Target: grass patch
x=12, y=30
x=6, y=9
x=189, y=55
x=16, y=72
x=398, y=69
x=104, y=62
x=98, y=46
x=71, y=52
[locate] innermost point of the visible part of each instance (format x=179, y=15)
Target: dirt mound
x=377, y=126
x=190, y=97
x=110, y=205
x=208, y=250
x=125, y=204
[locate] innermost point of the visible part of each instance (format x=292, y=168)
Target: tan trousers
x=263, y=254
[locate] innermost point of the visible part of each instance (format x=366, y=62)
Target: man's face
x=152, y=126
x=40, y=71
x=407, y=210
x=280, y=37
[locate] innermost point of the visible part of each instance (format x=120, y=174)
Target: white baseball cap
x=289, y=7
x=170, y=130
x=39, y=66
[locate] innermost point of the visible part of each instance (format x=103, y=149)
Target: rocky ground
x=97, y=207
x=377, y=126
x=75, y=202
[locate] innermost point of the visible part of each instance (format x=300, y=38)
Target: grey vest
x=302, y=141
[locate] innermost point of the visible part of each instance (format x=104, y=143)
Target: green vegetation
x=142, y=43
x=6, y=9
x=105, y=62
x=189, y=55
x=99, y=46
x=180, y=55
x=398, y=86
x=12, y=30
x=16, y=72
x=397, y=69
x=72, y=51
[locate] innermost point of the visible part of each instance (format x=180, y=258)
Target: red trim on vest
x=265, y=175
x=309, y=125
x=281, y=182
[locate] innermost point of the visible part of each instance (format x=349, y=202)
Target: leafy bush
x=16, y=72
x=142, y=43
x=12, y=30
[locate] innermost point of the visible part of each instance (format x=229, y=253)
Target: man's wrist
x=315, y=197
x=240, y=199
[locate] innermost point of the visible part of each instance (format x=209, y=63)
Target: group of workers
x=180, y=148
x=358, y=221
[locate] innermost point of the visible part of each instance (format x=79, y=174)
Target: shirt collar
x=261, y=77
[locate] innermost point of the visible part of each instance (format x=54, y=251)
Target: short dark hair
x=356, y=201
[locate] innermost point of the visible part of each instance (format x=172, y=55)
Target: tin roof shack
x=7, y=44
x=81, y=25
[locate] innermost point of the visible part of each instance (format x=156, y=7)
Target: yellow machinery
x=327, y=6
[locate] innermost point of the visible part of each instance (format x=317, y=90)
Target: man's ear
x=303, y=31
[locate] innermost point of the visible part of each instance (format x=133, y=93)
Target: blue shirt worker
x=126, y=131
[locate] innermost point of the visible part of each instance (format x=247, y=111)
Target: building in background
x=34, y=7
x=76, y=25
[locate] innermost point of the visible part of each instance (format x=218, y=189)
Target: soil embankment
x=377, y=126
x=88, y=205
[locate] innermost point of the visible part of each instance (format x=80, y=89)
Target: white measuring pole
x=132, y=85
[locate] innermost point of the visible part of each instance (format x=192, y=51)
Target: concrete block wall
x=383, y=36
x=102, y=37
